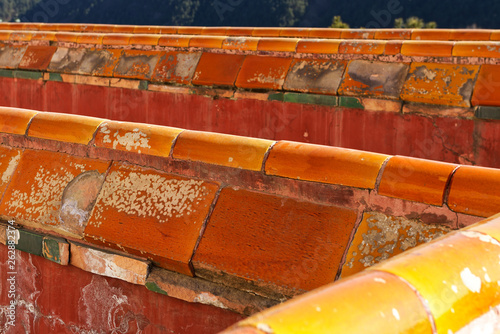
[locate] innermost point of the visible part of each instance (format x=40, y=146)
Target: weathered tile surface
x=136, y=64
x=107, y=264
x=51, y=189
x=380, y=237
x=134, y=137
x=440, y=84
x=151, y=214
x=314, y=76
x=66, y=60
x=176, y=66
x=9, y=159
x=11, y=56
x=371, y=78
x=217, y=69
x=56, y=250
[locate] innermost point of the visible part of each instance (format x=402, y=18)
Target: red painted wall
x=448, y=139
x=64, y=299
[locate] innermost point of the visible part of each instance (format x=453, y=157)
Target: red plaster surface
x=455, y=140
x=69, y=300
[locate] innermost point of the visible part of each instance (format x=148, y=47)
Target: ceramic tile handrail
x=447, y=286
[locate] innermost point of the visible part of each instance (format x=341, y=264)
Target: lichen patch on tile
x=380, y=237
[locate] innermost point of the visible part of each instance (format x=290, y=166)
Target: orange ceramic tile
x=217, y=69
x=259, y=72
x=11, y=55
x=320, y=76
x=49, y=188
x=90, y=39
x=37, y=57
x=83, y=27
x=124, y=29
x=325, y=164
x=176, y=66
x=266, y=32
x=271, y=243
x=489, y=226
x=474, y=191
x=393, y=47
x=446, y=84
x=431, y=34
x=278, y=44
x=67, y=37
x=24, y=36
x=470, y=34
x=100, y=62
x=295, y=32
x=455, y=286
x=376, y=47
x=221, y=149
x=32, y=26
x=67, y=27
x=44, y=36
x=477, y=49
x=136, y=64
x=116, y=39
x=416, y=179
x=391, y=306
x=241, y=43
x=9, y=159
x=325, y=33
x=14, y=120
x=389, y=34
x=373, y=78
x=318, y=46
x=5, y=35
x=239, y=31
x=144, y=39
x=189, y=30
x=106, y=28
x=357, y=34
x=147, y=29
x=50, y=27
x=219, y=31
x=487, y=89
x=64, y=127
x=380, y=237
x=135, y=137
x=212, y=42
x=427, y=48
x=180, y=41
x=151, y=214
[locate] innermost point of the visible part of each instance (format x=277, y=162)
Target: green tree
x=414, y=22
x=338, y=23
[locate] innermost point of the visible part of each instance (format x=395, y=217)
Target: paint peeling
x=482, y=237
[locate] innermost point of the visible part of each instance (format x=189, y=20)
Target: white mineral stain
x=454, y=288
x=380, y=280
x=482, y=237
x=471, y=281
x=10, y=168
x=131, y=140
x=209, y=299
x=148, y=195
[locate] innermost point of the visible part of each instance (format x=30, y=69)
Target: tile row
x=418, y=82
x=431, y=182
x=451, y=285
x=328, y=33
x=412, y=48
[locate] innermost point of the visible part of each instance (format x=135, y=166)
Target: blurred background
x=260, y=13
